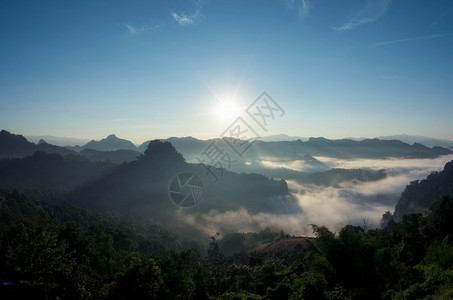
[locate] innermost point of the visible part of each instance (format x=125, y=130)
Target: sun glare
x=227, y=110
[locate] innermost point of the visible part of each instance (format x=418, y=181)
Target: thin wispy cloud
x=442, y=16
x=372, y=12
x=183, y=19
x=134, y=29
x=302, y=7
x=417, y=38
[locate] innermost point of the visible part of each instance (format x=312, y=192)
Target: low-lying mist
x=349, y=202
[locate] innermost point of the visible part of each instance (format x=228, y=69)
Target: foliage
x=51, y=250
x=419, y=195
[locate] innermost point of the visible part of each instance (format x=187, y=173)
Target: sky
x=155, y=69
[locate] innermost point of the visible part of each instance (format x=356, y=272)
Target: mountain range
x=137, y=182
x=406, y=138
x=120, y=150
x=141, y=187
x=57, y=141
x=12, y=145
x=427, y=141
x=110, y=143
x=192, y=148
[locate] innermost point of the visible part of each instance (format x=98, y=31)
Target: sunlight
x=227, y=110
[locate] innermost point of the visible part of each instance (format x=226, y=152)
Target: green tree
x=39, y=260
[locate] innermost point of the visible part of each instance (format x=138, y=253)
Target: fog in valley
x=343, y=202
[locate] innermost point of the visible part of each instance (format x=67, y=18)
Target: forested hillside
x=60, y=251
x=73, y=227
x=420, y=194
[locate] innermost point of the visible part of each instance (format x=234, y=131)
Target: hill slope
x=110, y=143
x=12, y=145
x=141, y=186
x=419, y=195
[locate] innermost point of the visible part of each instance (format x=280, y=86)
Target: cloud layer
x=350, y=202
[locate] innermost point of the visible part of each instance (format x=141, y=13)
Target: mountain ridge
x=14, y=145
x=110, y=143
x=420, y=194
x=191, y=148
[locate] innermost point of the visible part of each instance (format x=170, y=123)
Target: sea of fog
x=350, y=202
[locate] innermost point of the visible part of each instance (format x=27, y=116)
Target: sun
x=227, y=110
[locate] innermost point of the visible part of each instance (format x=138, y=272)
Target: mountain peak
x=110, y=143
x=162, y=151
x=8, y=135
x=16, y=145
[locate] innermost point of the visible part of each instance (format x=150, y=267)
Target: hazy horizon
x=35, y=138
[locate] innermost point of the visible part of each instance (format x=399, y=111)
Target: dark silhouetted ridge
x=420, y=194
x=162, y=151
x=13, y=145
x=110, y=143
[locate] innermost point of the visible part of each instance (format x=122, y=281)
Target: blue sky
x=154, y=69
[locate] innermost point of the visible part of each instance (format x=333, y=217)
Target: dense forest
x=52, y=251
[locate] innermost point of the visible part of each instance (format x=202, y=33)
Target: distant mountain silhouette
x=57, y=140
x=110, y=143
x=281, y=137
x=186, y=145
x=420, y=194
x=299, y=150
x=369, y=148
x=347, y=149
x=12, y=145
x=418, y=139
